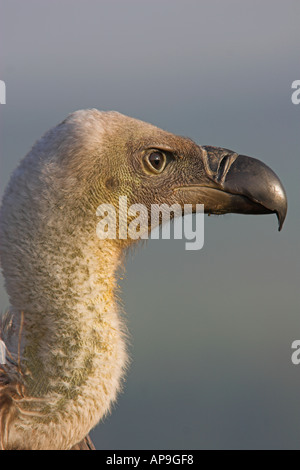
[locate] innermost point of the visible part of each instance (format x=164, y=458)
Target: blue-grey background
x=211, y=331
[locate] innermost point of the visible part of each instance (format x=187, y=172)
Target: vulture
x=64, y=338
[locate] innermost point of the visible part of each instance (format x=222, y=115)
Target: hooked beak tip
x=255, y=180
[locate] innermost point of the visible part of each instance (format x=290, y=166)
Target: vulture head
x=66, y=348
x=108, y=155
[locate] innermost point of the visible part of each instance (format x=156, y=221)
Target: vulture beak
x=237, y=184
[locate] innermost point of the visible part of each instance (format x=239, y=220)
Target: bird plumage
x=64, y=333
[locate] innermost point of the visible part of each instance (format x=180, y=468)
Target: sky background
x=211, y=330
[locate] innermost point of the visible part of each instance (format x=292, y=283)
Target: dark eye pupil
x=157, y=160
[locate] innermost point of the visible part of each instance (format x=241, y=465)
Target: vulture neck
x=74, y=349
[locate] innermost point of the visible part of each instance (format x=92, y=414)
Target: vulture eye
x=156, y=161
